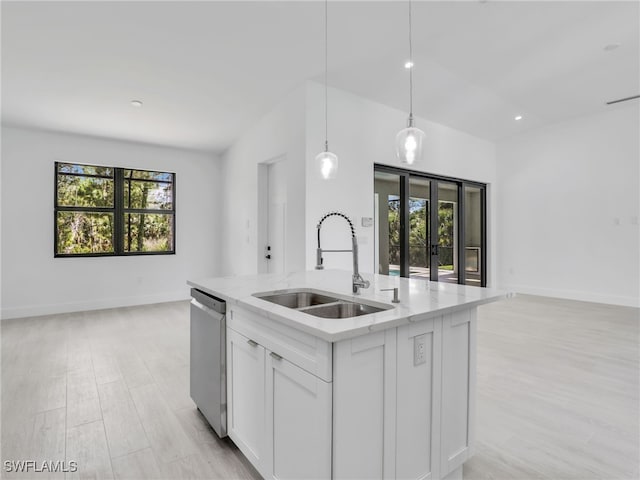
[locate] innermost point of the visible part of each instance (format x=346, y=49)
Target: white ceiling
x=207, y=70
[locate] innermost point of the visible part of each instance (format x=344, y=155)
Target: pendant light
x=326, y=162
x=409, y=140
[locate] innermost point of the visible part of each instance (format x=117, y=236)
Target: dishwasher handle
x=215, y=304
x=206, y=309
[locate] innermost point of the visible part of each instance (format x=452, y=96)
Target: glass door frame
x=404, y=177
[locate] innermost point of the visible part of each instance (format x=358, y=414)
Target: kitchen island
x=389, y=394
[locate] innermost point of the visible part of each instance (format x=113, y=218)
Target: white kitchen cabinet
x=279, y=413
x=298, y=421
x=400, y=406
x=246, y=419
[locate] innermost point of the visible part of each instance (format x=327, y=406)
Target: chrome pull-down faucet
x=358, y=281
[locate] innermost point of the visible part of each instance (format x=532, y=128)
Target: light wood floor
x=110, y=390
x=558, y=391
x=557, y=394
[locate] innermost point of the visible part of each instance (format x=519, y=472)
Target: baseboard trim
x=52, y=309
x=574, y=295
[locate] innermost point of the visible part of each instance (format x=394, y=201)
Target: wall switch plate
x=367, y=221
x=419, y=349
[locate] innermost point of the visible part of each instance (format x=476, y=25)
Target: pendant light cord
x=410, y=69
x=326, y=108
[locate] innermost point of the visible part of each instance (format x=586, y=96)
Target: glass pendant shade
x=327, y=165
x=409, y=145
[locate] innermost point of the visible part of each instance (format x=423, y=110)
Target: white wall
x=569, y=206
x=361, y=133
x=278, y=135
x=35, y=283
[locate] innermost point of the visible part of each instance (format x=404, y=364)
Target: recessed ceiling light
x=136, y=103
x=518, y=117
x=611, y=47
x=408, y=65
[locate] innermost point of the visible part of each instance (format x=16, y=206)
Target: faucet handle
x=358, y=283
x=395, y=294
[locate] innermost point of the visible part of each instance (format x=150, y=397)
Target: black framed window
x=107, y=211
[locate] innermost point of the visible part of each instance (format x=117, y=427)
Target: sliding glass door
x=430, y=227
x=419, y=231
x=387, y=207
x=474, y=233
x=444, y=250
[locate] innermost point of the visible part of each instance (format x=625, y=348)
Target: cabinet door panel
x=246, y=391
x=418, y=403
x=299, y=422
x=364, y=406
x=458, y=388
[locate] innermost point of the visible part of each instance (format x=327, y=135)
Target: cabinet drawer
x=306, y=351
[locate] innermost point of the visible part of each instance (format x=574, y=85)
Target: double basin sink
x=320, y=304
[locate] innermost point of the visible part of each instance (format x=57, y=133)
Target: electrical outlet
x=366, y=221
x=420, y=349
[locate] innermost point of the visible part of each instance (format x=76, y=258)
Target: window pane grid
x=149, y=175
x=81, y=232
x=93, y=214
x=148, y=195
x=85, y=170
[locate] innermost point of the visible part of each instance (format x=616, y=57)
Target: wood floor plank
x=79, y=355
x=87, y=446
x=224, y=458
x=125, y=433
x=165, y=433
x=192, y=467
x=83, y=405
x=133, y=369
x=195, y=425
x=105, y=366
x=138, y=465
x=226, y=461
x=174, y=388
x=48, y=440
x=49, y=393
x=493, y=464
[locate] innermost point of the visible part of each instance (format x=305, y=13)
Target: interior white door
x=276, y=221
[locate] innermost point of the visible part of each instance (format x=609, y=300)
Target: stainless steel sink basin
x=320, y=304
x=298, y=299
x=342, y=309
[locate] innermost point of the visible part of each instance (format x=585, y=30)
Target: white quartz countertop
x=419, y=299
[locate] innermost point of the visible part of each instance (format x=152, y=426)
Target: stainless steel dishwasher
x=208, y=376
